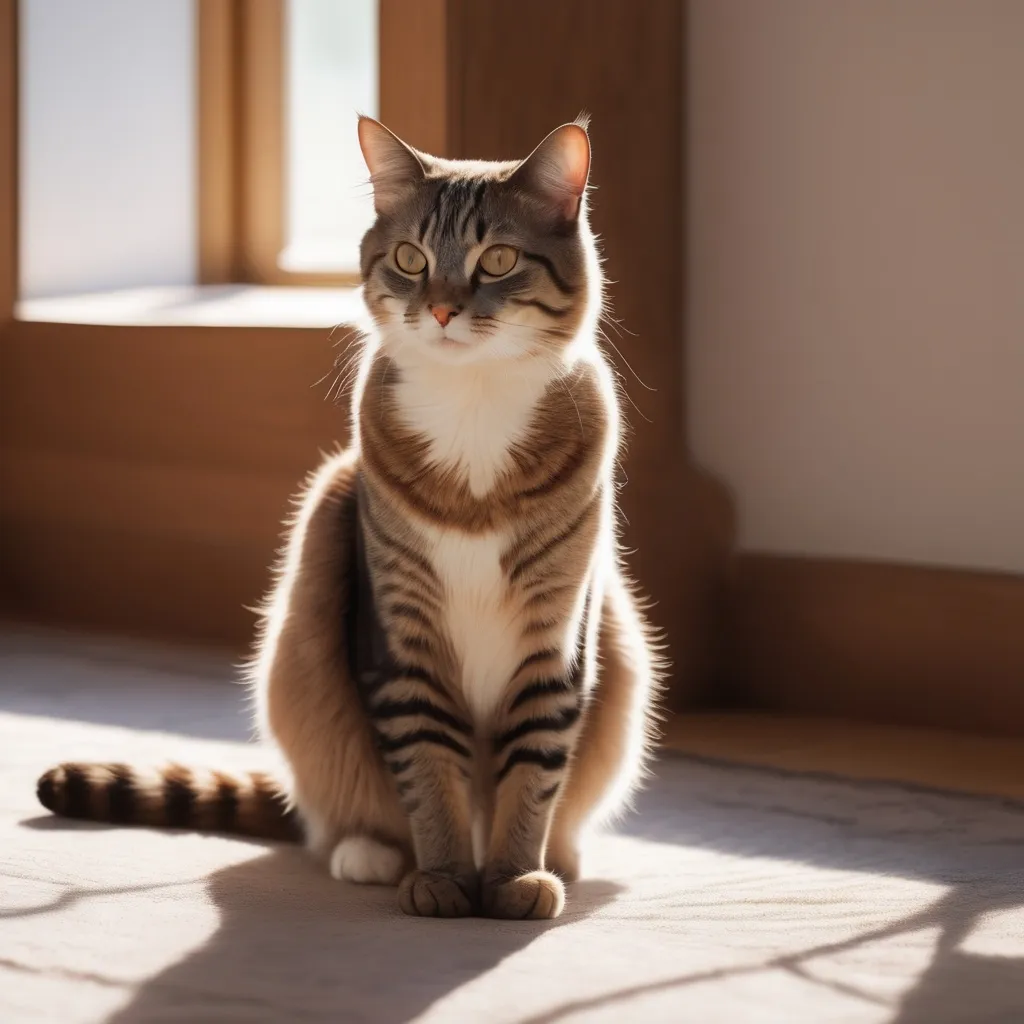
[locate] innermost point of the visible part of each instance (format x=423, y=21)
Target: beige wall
x=856, y=274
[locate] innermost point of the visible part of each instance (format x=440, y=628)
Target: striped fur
x=452, y=661
x=249, y=804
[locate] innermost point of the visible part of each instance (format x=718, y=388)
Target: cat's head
x=470, y=260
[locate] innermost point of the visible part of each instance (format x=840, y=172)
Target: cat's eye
x=498, y=260
x=409, y=259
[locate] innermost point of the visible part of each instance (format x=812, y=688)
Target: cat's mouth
x=447, y=338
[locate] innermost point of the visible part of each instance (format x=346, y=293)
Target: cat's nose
x=444, y=313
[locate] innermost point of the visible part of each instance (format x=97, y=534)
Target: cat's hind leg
x=616, y=733
x=307, y=701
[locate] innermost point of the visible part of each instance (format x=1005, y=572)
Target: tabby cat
x=452, y=661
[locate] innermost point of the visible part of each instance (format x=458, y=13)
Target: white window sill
x=212, y=305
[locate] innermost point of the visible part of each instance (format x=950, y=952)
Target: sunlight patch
x=998, y=933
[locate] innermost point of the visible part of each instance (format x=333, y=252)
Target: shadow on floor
x=956, y=988
x=287, y=931
x=972, y=845
x=347, y=953
x=343, y=952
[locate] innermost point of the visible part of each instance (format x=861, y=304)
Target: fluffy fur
x=452, y=662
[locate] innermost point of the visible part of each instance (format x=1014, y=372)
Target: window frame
x=241, y=143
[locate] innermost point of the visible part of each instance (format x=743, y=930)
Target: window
x=210, y=143
x=106, y=147
x=280, y=84
x=330, y=73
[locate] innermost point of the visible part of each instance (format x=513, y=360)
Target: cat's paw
x=430, y=894
x=367, y=861
x=539, y=895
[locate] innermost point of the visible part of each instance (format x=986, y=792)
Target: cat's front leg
x=532, y=752
x=428, y=750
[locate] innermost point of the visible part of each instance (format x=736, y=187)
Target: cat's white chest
x=471, y=415
x=478, y=618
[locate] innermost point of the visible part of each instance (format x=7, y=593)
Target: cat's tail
x=245, y=803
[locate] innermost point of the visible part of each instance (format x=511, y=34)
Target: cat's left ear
x=556, y=171
x=395, y=168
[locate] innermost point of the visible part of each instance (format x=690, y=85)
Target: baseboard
x=889, y=643
x=930, y=758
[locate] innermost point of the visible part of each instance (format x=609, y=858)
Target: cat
x=453, y=662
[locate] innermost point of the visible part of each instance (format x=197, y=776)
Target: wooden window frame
x=241, y=92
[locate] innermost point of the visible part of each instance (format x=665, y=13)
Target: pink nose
x=443, y=314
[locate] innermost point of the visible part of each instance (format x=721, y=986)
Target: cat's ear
x=394, y=167
x=556, y=171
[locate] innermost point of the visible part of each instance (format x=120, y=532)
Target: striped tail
x=248, y=804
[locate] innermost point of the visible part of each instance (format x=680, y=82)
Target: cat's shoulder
x=585, y=396
x=335, y=479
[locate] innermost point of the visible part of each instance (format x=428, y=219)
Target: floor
x=734, y=893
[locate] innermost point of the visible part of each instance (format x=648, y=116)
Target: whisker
x=343, y=387
x=572, y=398
x=334, y=366
x=619, y=325
x=556, y=332
x=625, y=361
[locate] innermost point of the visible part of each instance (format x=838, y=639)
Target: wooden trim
x=889, y=643
x=457, y=39
x=8, y=159
x=217, y=109
x=262, y=135
x=419, y=66
x=936, y=759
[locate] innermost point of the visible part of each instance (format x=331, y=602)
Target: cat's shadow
x=293, y=944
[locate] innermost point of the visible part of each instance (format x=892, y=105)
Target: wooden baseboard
x=888, y=643
x=931, y=758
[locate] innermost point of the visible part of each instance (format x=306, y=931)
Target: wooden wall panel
x=889, y=643
x=234, y=397
x=145, y=471
x=162, y=585
x=417, y=61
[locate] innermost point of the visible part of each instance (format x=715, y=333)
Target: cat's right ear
x=395, y=169
x=556, y=171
